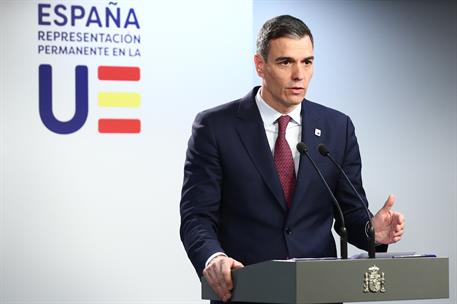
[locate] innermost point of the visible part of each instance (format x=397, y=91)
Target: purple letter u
x=45, y=101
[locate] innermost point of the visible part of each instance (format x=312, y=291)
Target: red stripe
x=118, y=73
x=119, y=126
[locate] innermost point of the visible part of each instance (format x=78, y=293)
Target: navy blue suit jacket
x=232, y=200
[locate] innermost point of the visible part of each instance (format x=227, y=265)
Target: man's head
x=284, y=61
x=278, y=27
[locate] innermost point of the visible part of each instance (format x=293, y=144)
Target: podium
x=335, y=281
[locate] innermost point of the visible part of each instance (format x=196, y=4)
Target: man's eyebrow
x=285, y=58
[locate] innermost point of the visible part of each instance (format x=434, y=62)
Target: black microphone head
x=323, y=150
x=302, y=148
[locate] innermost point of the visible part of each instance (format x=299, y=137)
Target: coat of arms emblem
x=373, y=280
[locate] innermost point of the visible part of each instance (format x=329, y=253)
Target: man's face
x=286, y=73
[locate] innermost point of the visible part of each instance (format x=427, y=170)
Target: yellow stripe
x=125, y=100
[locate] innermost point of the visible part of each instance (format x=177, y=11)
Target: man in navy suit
x=248, y=196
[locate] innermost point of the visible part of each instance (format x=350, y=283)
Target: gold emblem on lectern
x=373, y=280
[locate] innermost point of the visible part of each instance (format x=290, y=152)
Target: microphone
x=371, y=233
x=303, y=149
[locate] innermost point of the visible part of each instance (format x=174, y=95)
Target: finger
x=389, y=202
x=226, y=278
x=398, y=220
x=226, y=274
x=397, y=239
x=397, y=233
x=211, y=277
x=218, y=285
x=220, y=276
x=237, y=265
x=399, y=228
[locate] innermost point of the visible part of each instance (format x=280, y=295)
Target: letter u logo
x=45, y=100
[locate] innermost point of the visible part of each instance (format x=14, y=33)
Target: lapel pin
x=317, y=132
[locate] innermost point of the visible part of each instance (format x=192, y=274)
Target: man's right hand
x=219, y=276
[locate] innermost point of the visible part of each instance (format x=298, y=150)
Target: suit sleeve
x=355, y=215
x=201, y=195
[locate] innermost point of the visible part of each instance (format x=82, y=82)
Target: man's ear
x=259, y=64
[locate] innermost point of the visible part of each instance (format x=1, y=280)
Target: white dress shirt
x=293, y=131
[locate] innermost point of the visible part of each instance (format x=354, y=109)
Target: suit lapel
x=311, y=125
x=252, y=134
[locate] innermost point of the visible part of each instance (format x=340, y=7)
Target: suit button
x=288, y=230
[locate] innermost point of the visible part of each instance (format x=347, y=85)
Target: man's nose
x=298, y=72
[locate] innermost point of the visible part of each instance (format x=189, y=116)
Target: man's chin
x=296, y=100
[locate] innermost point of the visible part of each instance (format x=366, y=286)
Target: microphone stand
x=303, y=149
x=371, y=233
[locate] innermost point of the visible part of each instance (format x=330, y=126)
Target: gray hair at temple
x=280, y=26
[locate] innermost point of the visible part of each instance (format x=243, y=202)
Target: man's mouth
x=296, y=90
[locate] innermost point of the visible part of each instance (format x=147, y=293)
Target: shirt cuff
x=213, y=256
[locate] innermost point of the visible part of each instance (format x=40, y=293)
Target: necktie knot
x=283, y=121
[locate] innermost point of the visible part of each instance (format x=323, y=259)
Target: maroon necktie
x=284, y=161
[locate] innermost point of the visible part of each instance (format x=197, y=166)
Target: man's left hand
x=388, y=224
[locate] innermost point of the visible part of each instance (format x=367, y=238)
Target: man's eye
x=285, y=62
x=308, y=61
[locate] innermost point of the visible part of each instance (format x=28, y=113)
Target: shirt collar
x=270, y=115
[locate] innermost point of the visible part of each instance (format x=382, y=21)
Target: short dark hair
x=280, y=26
